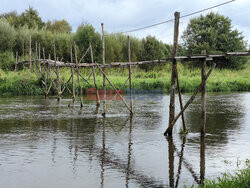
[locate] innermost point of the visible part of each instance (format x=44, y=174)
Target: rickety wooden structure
x=53, y=66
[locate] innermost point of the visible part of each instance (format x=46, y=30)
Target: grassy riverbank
x=241, y=179
x=26, y=83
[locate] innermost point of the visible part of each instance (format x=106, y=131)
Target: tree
x=31, y=19
x=7, y=36
x=152, y=50
x=84, y=35
x=214, y=33
x=58, y=26
x=12, y=18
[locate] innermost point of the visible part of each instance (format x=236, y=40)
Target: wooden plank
x=126, y=64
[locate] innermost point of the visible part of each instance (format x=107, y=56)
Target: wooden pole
x=39, y=56
x=103, y=62
x=181, y=105
x=36, y=59
x=171, y=161
x=173, y=78
x=23, y=53
x=45, y=76
x=78, y=77
x=59, y=91
x=93, y=70
x=16, y=61
x=202, y=159
x=30, y=53
x=170, y=127
x=130, y=77
x=203, y=98
x=72, y=77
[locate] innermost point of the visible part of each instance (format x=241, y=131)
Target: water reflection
x=172, y=149
x=224, y=112
x=81, y=146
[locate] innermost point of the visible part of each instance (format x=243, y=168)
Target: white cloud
x=121, y=15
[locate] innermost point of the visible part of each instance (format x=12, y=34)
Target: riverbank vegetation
x=215, y=35
x=24, y=82
x=239, y=179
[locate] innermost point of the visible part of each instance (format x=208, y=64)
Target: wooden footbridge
x=45, y=67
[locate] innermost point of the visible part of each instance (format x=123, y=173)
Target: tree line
x=212, y=33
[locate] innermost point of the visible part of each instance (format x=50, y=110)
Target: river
x=44, y=143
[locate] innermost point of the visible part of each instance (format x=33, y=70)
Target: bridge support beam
x=174, y=70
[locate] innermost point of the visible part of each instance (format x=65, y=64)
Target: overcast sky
x=122, y=15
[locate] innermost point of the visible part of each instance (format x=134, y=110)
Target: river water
x=44, y=143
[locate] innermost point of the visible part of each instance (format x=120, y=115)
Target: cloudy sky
x=122, y=15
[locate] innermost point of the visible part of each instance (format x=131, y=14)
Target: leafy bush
x=7, y=36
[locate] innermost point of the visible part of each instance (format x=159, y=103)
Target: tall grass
x=240, y=179
x=25, y=83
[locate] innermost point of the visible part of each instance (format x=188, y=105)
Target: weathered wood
x=72, y=75
x=202, y=159
x=39, y=57
x=78, y=77
x=16, y=61
x=114, y=88
x=174, y=68
x=45, y=76
x=130, y=76
x=103, y=70
x=23, y=52
x=153, y=62
x=203, y=99
x=59, y=90
x=93, y=70
x=180, y=101
x=36, y=61
x=170, y=127
x=30, y=53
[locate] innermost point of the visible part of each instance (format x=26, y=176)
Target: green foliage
x=58, y=26
x=153, y=49
x=31, y=19
x=12, y=18
x=45, y=38
x=6, y=60
x=86, y=34
x=157, y=78
x=214, y=34
x=7, y=36
x=240, y=179
x=19, y=83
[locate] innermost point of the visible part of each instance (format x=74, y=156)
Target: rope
x=170, y=20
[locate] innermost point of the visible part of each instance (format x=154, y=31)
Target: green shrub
x=7, y=36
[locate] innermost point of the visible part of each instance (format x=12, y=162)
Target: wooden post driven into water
x=181, y=105
x=59, y=91
x=72, y=75
x=78, y=77
x=130, y=77
x=174, y=70
x=203, y=97
x=104, y=79
x=98, y=103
